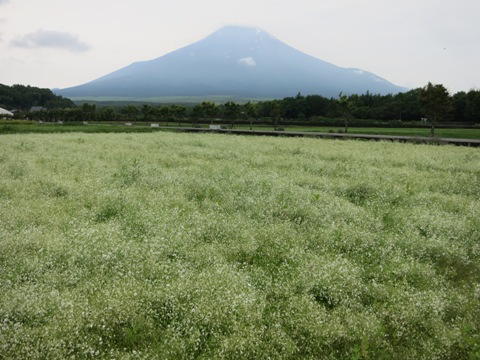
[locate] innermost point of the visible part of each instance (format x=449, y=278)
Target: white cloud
x=51, y=39
x=3, y=2
x=248, y=61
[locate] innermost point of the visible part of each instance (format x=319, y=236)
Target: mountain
x=233, y=61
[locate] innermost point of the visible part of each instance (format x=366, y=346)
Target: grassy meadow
x=183, y=246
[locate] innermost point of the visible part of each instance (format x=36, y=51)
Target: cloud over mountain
x=249, y=61
x=51, y=39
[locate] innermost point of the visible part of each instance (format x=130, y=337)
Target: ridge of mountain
x=233, y=61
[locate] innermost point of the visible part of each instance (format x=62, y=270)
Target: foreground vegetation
x=169, y=245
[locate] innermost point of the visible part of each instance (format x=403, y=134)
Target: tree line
x=462, y=107
x=23, y=98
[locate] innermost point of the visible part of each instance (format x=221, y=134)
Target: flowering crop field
x=168, y=245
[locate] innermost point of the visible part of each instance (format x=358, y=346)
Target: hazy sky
x=62, y=43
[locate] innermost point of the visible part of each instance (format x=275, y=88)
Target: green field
x=120, y=100
x=416, y=132
x=23, y=127
x=183, y=246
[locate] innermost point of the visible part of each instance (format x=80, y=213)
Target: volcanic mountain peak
x=233, y=61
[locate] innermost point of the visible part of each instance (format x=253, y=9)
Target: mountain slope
x=234, y=61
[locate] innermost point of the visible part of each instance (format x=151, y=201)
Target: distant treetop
x=23, y=98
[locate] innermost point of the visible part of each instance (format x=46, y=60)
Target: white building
x=5, y=113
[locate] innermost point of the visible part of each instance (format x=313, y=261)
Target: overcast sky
x=62, y=43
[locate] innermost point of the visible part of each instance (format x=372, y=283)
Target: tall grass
x=190, y=246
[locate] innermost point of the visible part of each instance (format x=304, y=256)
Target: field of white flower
x=206, y=246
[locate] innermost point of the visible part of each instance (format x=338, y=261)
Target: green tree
x=196, y=114
x=278, y=111
x=231, y=111
x=295, y=107
x=316, y=105
x=472, y=109
x=107, y=114
x=209, y=109
x=344, y=105
x=89, y=111
x=459, y=103
x=251, y=110
x=163, y=113
x=131, y=112
x=24, y=97
x=436, y=102
x=177, y=112
x=74, y=114
x=407, y=105
x=147, y=112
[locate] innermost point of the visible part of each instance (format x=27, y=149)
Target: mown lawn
x=23, y=127
x=473, y=133
x=169, y=245
x=420, y=132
